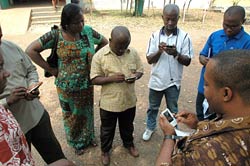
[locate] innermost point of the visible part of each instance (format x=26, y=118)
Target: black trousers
x=44, y=140
x=108, y=125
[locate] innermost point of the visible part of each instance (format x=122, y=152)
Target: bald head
x=171, y=8
x=120, y=33
x=120, y=40
x=236, y=10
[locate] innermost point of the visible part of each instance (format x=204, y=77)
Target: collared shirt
x=218, y=142
x=217, y=42
x=22, y=73
x=14, y=148
x=167, y=71
x=116, y=97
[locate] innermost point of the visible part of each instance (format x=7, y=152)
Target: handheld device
x=131, y=78
x=169, y=46
x=170, y=117
x=35, y=87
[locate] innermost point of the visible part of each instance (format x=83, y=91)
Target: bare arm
x=154, y=57
x=101, y=80
x=183, y=59
x=102, y=44
x=34, y=50
x=167, y=146
x=165, y=152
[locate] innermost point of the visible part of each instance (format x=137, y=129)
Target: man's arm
x=101, y=80
x=183, y=59
x=154, y=57
x=167, y=146
x=164, y=157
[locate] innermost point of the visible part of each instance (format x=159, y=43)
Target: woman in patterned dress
x=75, y=48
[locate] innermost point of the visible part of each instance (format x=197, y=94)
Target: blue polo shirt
x=218, y=41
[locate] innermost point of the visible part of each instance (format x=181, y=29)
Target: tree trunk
x=131, y=5
x=121, y=5
x=148, y=6
x=127, y=6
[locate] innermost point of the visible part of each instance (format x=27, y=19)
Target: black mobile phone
x=169, y=46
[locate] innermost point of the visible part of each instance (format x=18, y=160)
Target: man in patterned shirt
x=224, y=140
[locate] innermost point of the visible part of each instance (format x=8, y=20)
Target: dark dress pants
x=44, y=140
x=108, y=126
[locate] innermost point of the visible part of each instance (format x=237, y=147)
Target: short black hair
x=236, y=10
x=232, y=69
x=171, y=7
x=68, y=13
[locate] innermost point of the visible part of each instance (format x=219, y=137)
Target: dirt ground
x=141, y=29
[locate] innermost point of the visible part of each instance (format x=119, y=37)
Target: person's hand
x=171, y=50
x=118, y=78
x=16, y=94
x=31, y=95
x=188, y=118
x=203, y=60
x=166, y=127
x=162, y=46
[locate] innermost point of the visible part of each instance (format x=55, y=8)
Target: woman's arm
x=34, y=50
x=104, y=42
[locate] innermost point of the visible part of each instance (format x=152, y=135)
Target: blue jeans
x=171, y=95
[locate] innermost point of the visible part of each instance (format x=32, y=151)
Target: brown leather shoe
x=133, y=151
x=105, y=158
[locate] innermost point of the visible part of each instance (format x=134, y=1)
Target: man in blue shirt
x=232, y=36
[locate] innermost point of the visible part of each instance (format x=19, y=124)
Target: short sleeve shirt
x=116, y=97
x=217, y=42
x=167, y=71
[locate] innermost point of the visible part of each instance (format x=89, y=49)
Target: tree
x=185, y=9
x=235, y=2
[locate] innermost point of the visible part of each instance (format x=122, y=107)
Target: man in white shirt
x=169, y=49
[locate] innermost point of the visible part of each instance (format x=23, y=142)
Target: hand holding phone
x=133, y=78
x=170, y=117
x=35, y=87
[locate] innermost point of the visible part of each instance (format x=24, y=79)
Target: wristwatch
x=172, y=137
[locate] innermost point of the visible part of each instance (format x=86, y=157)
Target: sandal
x=79, y=151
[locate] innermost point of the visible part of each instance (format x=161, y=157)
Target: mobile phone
x=131, y=78
x=35, y=87
x=169, y=46
x=170, y=117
